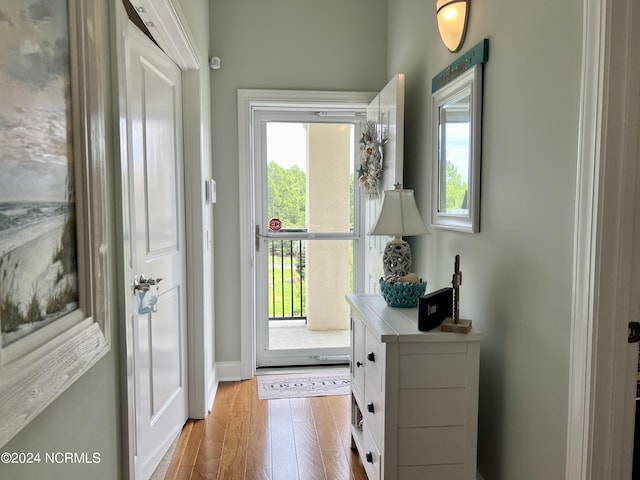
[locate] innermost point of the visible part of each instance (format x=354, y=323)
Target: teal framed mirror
x=456, y=139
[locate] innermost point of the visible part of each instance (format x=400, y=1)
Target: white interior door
x=156, y=199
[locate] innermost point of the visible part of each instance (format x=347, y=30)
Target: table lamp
x=398, y=217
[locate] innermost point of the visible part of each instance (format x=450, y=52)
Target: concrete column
x=328, y=200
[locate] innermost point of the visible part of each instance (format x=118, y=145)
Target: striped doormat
x=308, y=384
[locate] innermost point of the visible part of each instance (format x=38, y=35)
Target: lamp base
x=396, y=259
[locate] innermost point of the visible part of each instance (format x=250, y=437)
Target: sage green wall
x=84, y=419
x=279, y=44
x=517, y=271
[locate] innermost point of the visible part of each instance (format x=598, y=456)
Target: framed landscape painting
x=54, y=210
x=38, y=260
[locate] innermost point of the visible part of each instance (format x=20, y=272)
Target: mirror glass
x=456, y=152
x=454, y=141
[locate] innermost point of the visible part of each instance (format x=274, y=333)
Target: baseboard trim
x=212, y=389
x=229, y=371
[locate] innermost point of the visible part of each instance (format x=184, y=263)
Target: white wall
x=279, y=44
x=517, y=272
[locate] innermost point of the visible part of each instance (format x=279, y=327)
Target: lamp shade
x=399, y=215
x=452, y=18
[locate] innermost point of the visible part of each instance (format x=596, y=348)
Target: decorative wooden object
x=455, y=324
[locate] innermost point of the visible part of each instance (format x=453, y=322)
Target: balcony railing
x=287, y=283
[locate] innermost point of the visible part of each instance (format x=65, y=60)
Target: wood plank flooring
x=283, y=439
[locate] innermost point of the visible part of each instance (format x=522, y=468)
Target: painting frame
x=31, y=378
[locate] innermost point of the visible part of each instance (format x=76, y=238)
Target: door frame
x=172, y=33
x=248, y=100
x=601, y=410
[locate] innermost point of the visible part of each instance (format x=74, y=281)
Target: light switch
x=210, y=191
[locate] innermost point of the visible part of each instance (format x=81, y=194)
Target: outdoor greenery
x=286, y=278
x=287, y=195
x=456, y=188
x=286, y=286
x=287, y=198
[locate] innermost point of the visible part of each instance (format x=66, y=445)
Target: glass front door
x=307, y=236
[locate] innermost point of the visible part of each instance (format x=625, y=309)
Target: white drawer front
x=357, y=331
x=357, y=370
x=438, y=407
x=370, y=456
x=433, y=371
x=431, y=446
x=374, y=361
x=432, y=348
x=373, y=412
x=439, y=472
x=357, y=356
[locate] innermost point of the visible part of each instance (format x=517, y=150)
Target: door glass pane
x=308, y=280
x=310, y=185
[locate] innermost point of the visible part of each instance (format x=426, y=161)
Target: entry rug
x=297, y=385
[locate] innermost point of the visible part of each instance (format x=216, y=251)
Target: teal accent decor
x=478, y=54
x=403, y=295
x=147, y=302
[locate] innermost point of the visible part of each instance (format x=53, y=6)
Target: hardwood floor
x=284, y=439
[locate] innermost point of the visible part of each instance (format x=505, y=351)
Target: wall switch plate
x=210, y=191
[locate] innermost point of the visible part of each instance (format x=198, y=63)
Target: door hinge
x=634, y=332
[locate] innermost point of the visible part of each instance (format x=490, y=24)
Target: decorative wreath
x=370, y=169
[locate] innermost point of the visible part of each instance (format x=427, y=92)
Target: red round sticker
x=275, y=224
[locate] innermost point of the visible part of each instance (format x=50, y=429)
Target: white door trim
x=606, y=264
x=170, y=22
x=248, y=100
x=166, y=23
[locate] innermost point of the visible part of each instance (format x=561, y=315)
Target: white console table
x=414, y=394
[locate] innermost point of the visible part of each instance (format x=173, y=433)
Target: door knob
x=142, y=284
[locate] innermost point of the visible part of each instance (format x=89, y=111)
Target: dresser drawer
x=433, y=407
x=370, y=455
x=357, y=370
x=431, y=446
x=374, y=354
x=433, y=371
x=373, y=412
x=357, y=331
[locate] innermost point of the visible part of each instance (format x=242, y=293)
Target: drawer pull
x=370, y=408
x=359, y=364
x=369, y=457
x=371, y=357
